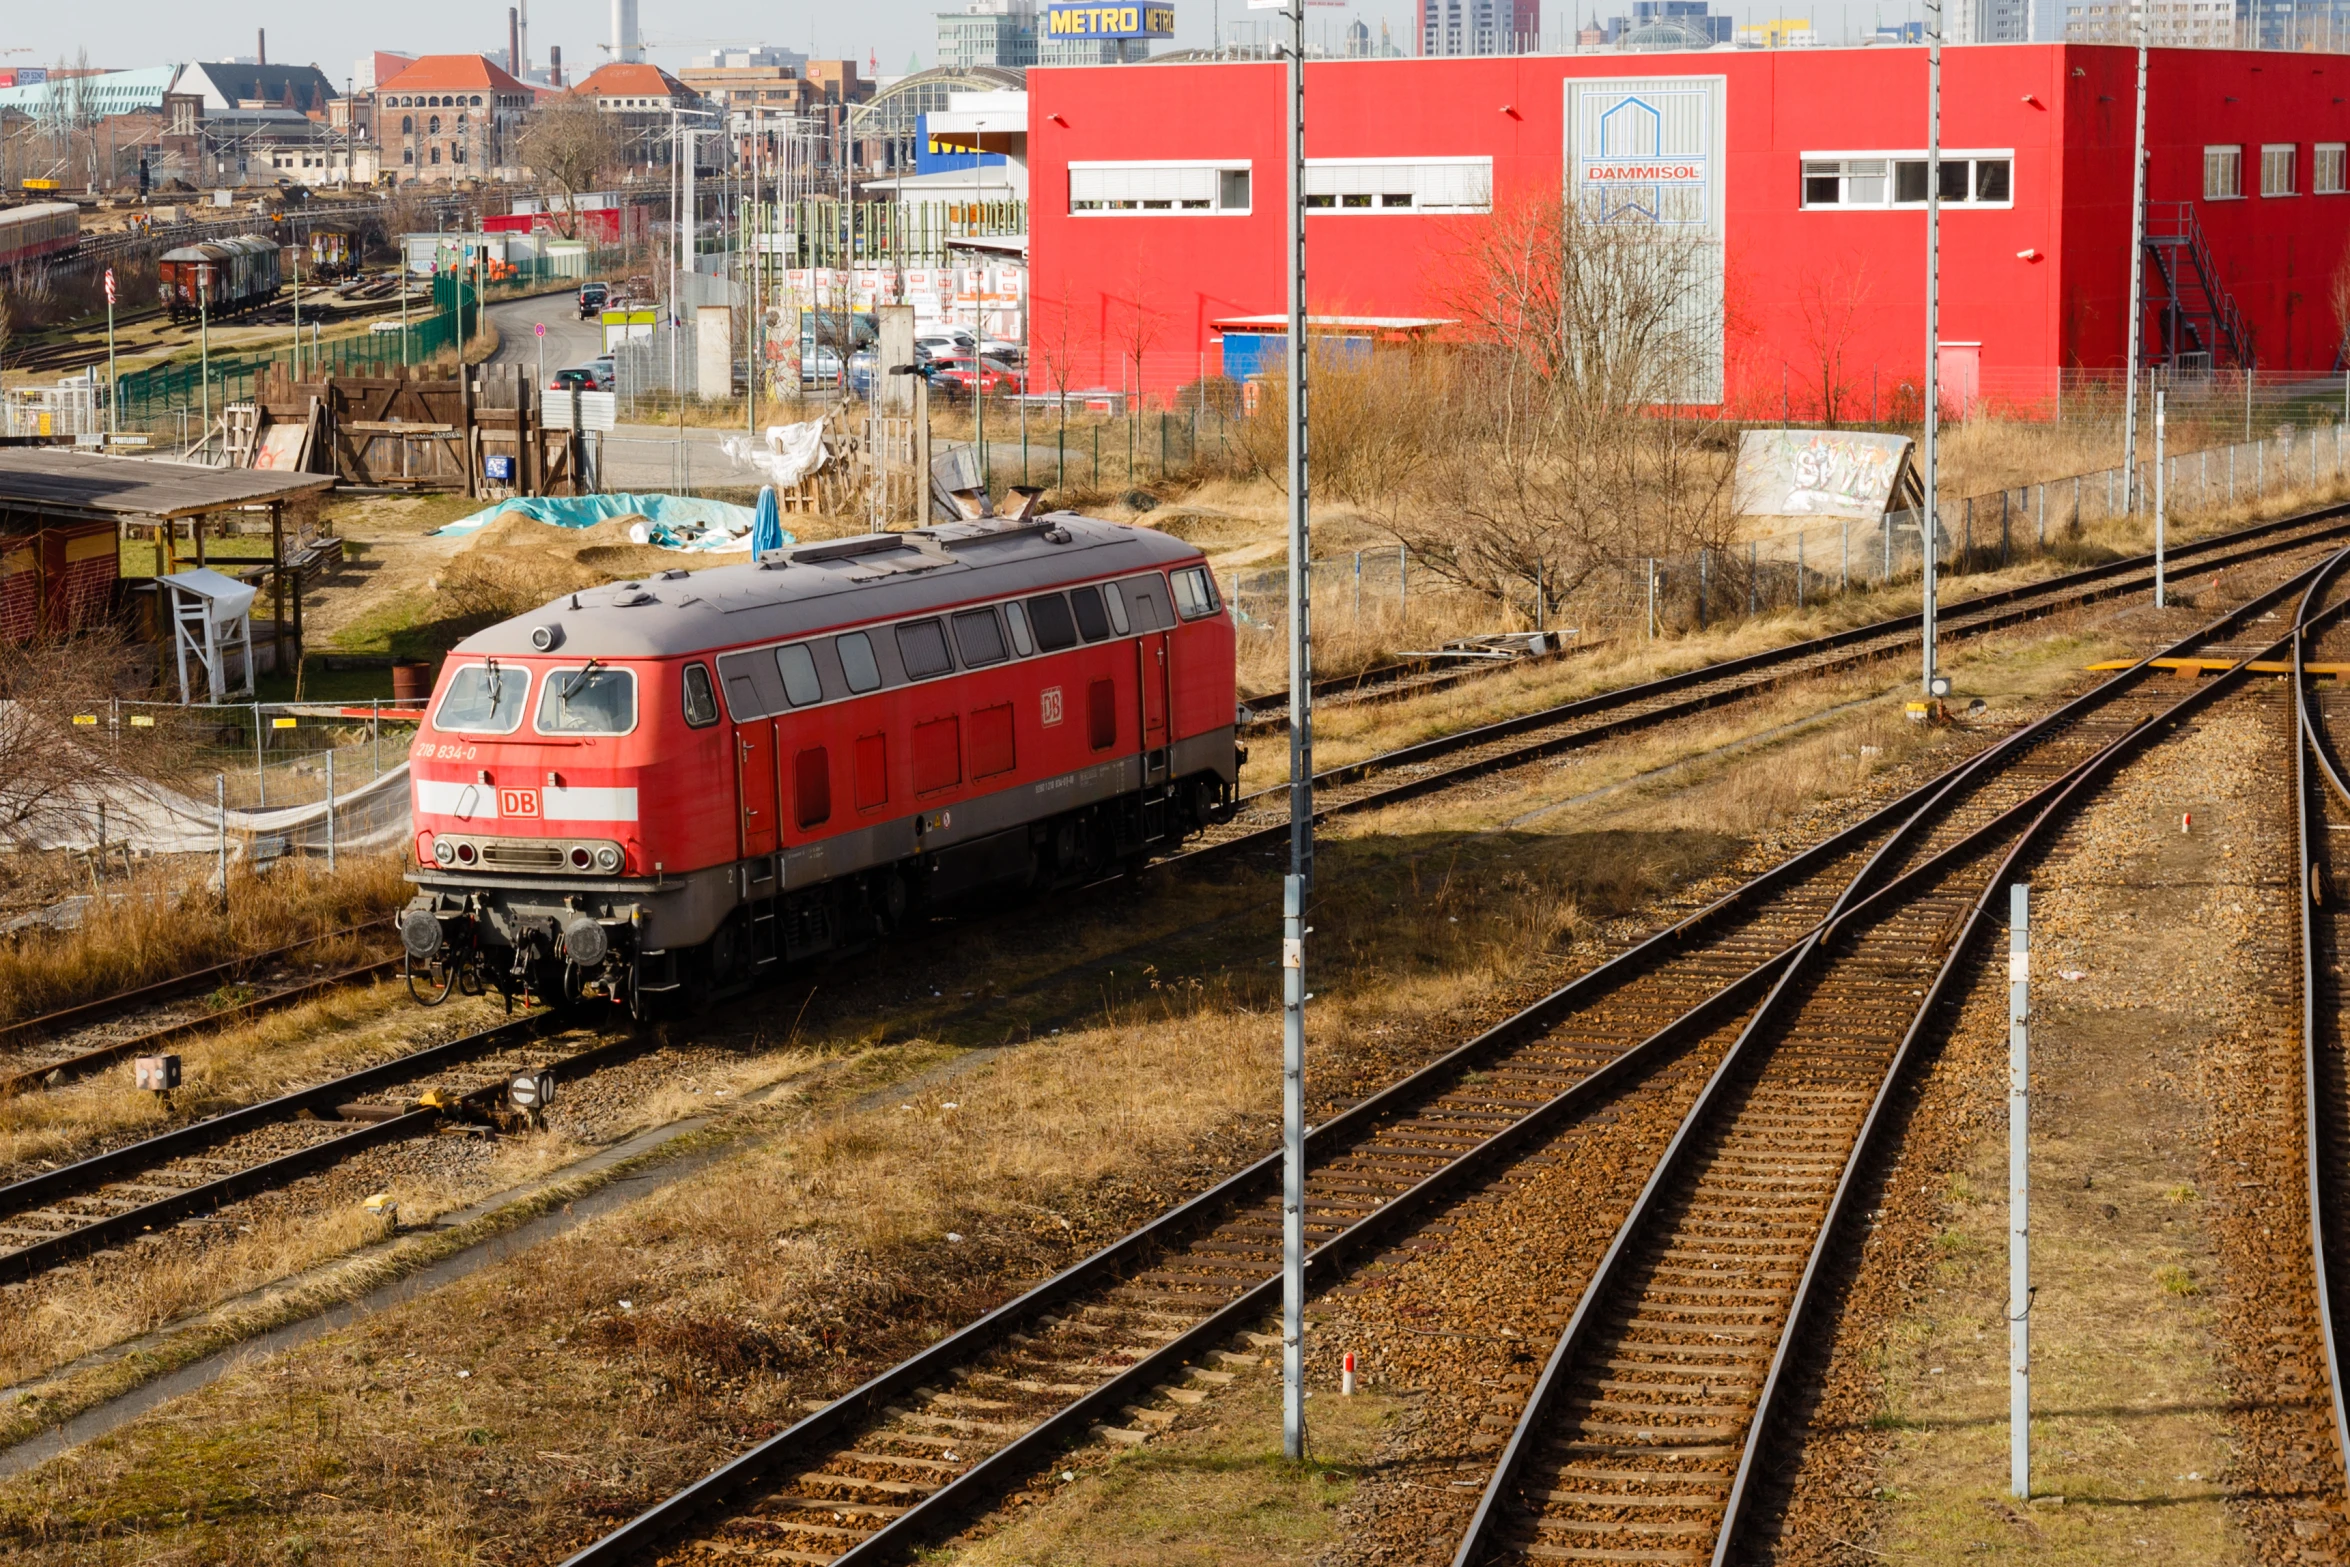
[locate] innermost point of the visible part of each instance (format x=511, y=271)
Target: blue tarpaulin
x=767, y=526
x=677, y=522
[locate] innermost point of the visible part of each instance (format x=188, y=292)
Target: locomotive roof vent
x=548, y=637
x=674, y=574
x=630, y=593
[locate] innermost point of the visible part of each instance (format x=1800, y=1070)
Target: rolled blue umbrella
x=766, y=525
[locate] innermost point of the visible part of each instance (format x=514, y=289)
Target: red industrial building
x=1157, y=204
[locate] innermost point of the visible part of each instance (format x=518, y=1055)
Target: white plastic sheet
x=372, y=818
x=790, y=454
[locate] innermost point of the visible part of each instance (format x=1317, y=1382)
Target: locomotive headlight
x=465, y=854
x=607, y=858
x=444, y=852
x=580, y=857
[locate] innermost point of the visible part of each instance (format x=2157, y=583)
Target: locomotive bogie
x=790, y=758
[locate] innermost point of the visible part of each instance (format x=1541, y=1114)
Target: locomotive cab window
x=981, y=640
x=484, y=699
x=590, y=700
x=1055, y=629
x=1017, y=618
x=1087, y=602
x=1115, y=601
x=701, y=698
x=922, y=647
x=856, y=662
x=1195, y=593
x=797, y=665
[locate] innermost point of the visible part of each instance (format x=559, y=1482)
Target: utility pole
x=2019, y=1191
x=1928, y=524
x=204, y=346
x=1301, y=773
x=2130, y=497
x=2160, y=509
x=113, y=399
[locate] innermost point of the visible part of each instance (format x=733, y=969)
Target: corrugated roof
x=632, y=79
x=36, y=477
x=448, y=72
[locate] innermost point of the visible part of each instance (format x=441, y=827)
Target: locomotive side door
x=754, y=774
x=1155, y=653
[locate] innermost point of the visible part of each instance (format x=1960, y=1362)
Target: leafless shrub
x=1559, y=449
x=52, y=769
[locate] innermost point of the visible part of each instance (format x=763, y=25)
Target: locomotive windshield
x=591, y=700
x=484, y=699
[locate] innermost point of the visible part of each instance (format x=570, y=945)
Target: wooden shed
x=66, y=516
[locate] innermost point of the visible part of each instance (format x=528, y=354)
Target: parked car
x=592, y=297
x=956, y=375
x=584, y=378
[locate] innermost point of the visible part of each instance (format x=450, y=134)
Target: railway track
x=911, y=1455
x=114, y=1197
x=36, y=1068
x=2322, y=801
x=1646, y=1436
x=1394, y=777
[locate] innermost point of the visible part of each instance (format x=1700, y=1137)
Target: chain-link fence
x=1797, y=567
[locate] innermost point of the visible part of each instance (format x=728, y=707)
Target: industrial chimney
x=554, y=65
x=625, y=45
x=261, y=45
x=513, y=42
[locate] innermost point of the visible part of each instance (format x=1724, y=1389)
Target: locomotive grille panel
x=522, y=856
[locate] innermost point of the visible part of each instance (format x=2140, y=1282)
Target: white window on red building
x=1839, y=180
x=1400, y=184
x=2328, y=174
x=2223, y=173
x=2276, y=168
x=1105, y=189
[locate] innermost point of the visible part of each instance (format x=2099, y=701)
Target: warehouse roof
x=48, y=478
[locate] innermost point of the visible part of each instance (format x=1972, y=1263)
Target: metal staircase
x=2197, y=322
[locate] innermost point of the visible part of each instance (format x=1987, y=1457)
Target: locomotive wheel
x=889, y=902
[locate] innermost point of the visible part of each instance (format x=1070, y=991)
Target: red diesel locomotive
x=676, y=784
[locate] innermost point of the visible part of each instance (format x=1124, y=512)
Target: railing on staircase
x=2197, y=316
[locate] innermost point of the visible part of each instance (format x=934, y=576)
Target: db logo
x=1052, y=706
x=518, y=802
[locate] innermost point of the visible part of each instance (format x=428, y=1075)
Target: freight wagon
x=667, y=787
x=220, y=277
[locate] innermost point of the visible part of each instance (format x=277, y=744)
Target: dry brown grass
x=167, y=922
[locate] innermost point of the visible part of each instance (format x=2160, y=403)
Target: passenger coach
x=680, y=782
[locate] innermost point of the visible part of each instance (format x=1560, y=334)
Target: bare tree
x=569, y=143
x=1140, y=325
x=54, y=771
x=1831, y=305
x=1559, y=448
x=1059, y=365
